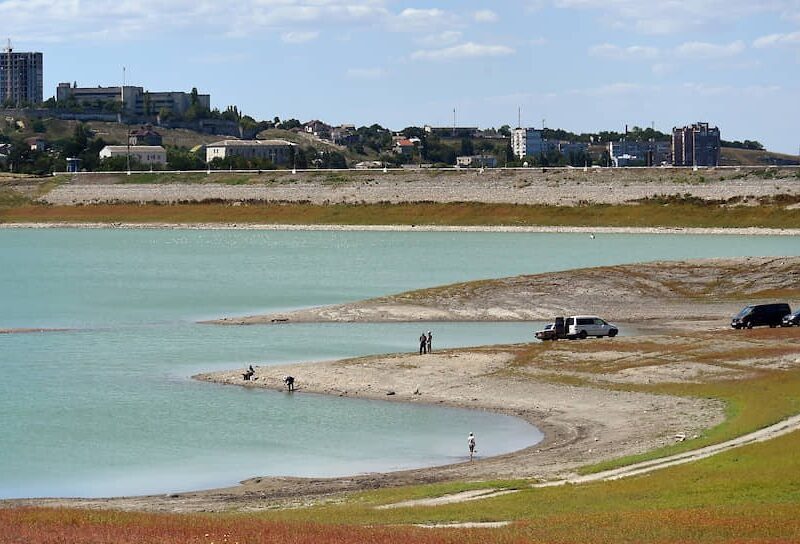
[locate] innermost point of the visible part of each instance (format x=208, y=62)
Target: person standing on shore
x=423, y=342
x=429, y=341
x=471, y=445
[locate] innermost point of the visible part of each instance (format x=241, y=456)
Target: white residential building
x=476, y=161
x=145, y=154
x=527, y=142
x=277, y=151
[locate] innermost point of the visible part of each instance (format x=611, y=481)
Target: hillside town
x=127, y=127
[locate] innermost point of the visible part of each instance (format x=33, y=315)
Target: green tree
x=467, y=147
x=183, y=159
x=299, y=158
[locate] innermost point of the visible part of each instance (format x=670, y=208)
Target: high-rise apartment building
x=527, y=142
x=696, y=145
x=21, y=78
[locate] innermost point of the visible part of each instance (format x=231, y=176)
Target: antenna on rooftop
x=519, y=117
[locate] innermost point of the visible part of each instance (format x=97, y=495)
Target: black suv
x=791, y=319
x=760, y=314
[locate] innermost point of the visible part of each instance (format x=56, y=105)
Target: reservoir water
x=107, y=406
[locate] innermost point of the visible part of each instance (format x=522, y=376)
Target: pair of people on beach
x=425, y=341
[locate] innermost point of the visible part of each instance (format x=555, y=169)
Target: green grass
x=762, y=479
x=644, y=215
x=221, y=177
x=765, y=398
x=12, y=199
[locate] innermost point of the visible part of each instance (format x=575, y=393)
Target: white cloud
x=485, y=16
x=448, y=37
x=662, y=68
x=415, y=20
x=612, y=89
x=299, y=37
x=674, y=16
x=61, y=20
x=706, y=89
x=703, y=50
x=633, y=52
x=366, y=73
x=463, y=51
x=775, y=40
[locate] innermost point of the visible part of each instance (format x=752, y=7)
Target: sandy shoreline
x=749, y=231
x=569, y=390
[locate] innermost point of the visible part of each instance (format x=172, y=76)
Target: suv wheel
x=582, y=335
x=612, y=333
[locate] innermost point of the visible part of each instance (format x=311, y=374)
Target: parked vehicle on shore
x=577, y=326
x=547, y=333
x=791, y=320
x=759, y=315
x=581, y=326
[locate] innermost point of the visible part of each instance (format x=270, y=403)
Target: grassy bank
x=747, y=495
x=647, y=214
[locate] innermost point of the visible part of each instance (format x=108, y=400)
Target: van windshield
x=745, y=311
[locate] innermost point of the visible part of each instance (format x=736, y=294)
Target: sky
x=580, y=65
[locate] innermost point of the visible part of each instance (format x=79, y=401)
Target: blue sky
x=581, y=65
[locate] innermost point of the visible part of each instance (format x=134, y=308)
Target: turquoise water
x=108, y=408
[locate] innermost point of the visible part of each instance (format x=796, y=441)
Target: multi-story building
x=528, y=142
x=277, y=151
x=21, y=78
x=647, y=153
x=696, y=145
x=476, y=161
x=451, y=132
x=150, y=155
x=129, y=99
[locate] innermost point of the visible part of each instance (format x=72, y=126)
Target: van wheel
x=612, y=333
x=582, y=335
x=749, y=325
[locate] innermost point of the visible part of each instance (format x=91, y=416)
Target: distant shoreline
x=738, y=231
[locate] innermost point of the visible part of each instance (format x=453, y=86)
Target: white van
x=581, y=326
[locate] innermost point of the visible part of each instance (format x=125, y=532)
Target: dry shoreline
x=736, y=231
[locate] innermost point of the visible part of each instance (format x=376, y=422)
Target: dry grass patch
x=682, y=357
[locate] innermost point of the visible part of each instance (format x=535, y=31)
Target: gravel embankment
x=562, y=187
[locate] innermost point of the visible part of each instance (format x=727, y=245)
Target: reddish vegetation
x=56, y=526
x=752, y=524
